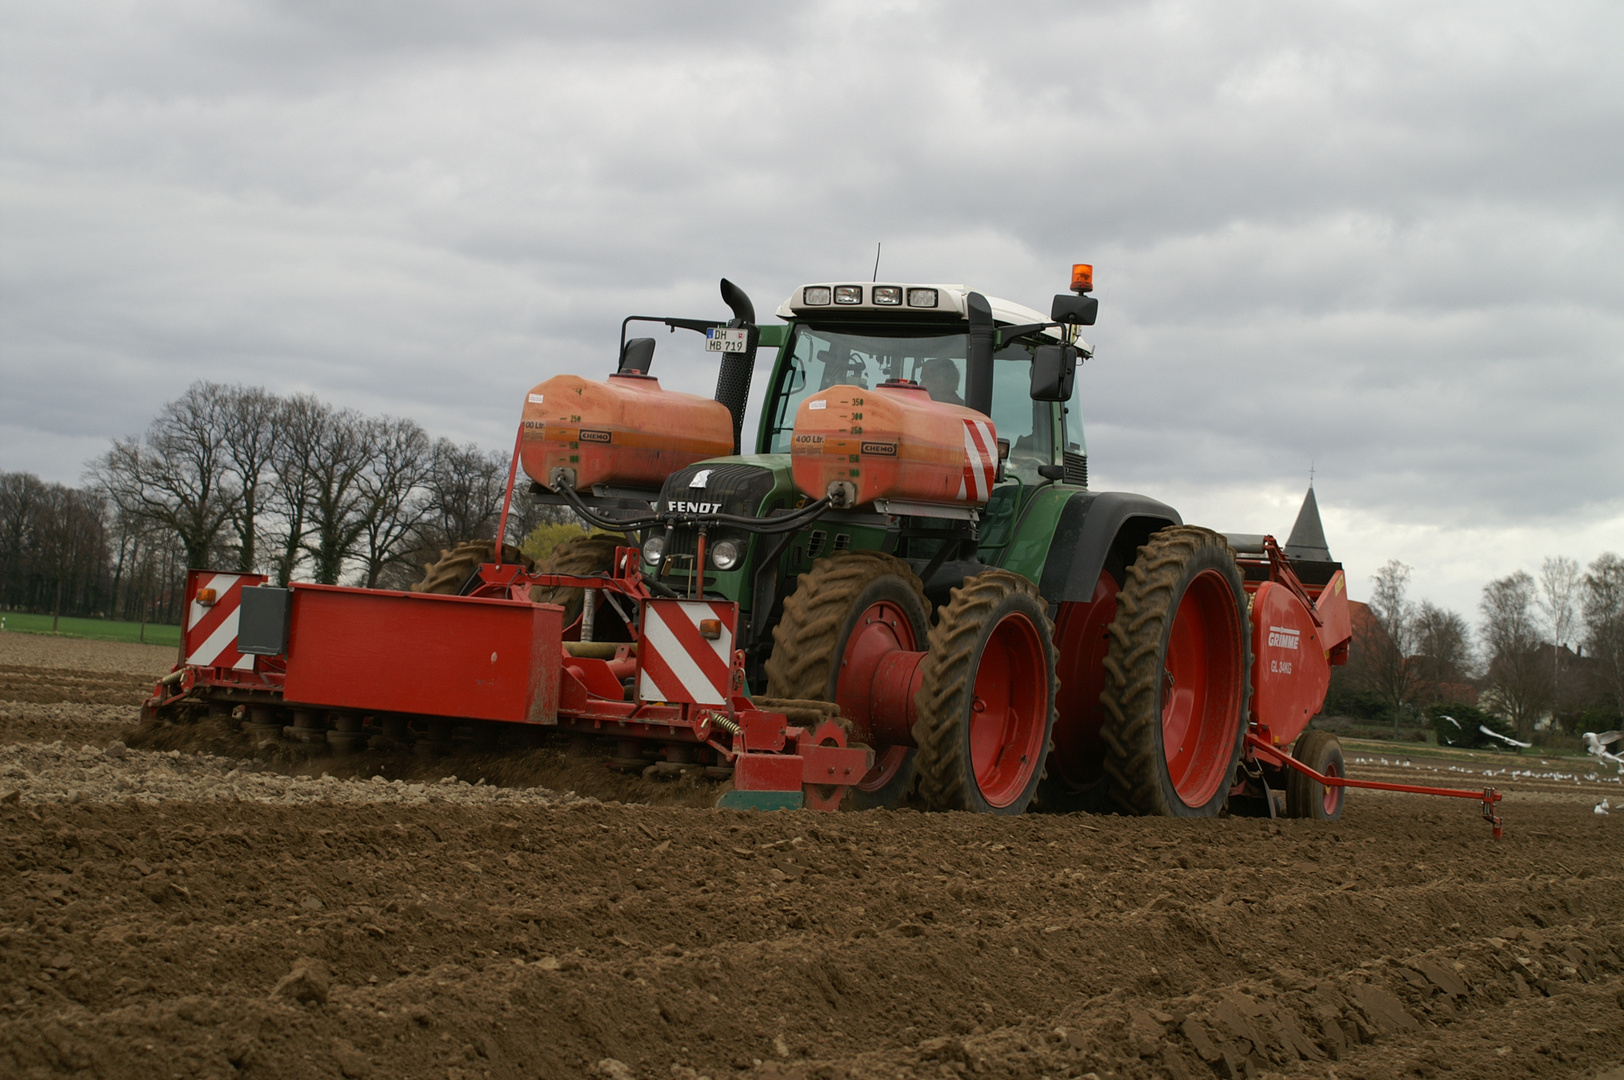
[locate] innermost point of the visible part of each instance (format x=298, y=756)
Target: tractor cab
x=866, y=335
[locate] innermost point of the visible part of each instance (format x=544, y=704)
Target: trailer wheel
x=1177, y=669
x=986, y=704
x=844, y=616
x=1306, y=798
x=450, y=572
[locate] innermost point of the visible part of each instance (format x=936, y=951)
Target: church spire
x=1307, y=540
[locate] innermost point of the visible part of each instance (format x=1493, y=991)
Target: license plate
x=726, y=339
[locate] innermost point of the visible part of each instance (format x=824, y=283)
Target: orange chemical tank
x=892, y=443
x=624, y=432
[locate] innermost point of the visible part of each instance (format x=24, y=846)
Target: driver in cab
x=940, y=377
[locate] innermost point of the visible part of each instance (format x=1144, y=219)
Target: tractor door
x=1036, y=434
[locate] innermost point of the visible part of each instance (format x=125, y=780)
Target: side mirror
x=1054, y=368
x=1072, y=310
x=637, y=355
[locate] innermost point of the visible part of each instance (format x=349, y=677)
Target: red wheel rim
x=1201, y=689
x=886, y=764
x=1009, y=710
x=1332, y=796
x=881, y=629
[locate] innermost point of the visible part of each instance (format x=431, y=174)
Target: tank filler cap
x=842, y=494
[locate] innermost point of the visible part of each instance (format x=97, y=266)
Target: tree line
x=234, y=477
x=1546, y=647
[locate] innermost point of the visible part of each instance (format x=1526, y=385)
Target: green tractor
x=1023, y=642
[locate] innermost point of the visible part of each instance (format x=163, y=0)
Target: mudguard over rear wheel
x=845, y=615
x=1306, y=797
x=1177, y=677
x=986, y=701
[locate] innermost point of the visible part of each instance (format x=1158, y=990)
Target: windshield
x=819, y=359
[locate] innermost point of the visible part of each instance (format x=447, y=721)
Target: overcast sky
x=1382, y=239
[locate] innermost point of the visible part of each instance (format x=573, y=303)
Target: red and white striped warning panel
x=980, y=461
x=211, y=619
x=687, y=651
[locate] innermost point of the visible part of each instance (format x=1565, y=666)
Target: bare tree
x=251, y=431
x=20, y=497
x=176, y=476
x=1443, y=651
x=1603, y=607
x=1517, y=675
x=391, y=500
x=300, y=421
x=465, y=489
x=1385, y=644
x=338, y=457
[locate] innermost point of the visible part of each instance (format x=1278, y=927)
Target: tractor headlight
x=726, y=554
x=653, y=548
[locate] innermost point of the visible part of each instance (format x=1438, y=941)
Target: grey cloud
x=1382, y=237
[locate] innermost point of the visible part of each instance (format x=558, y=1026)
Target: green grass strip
x=95, y=629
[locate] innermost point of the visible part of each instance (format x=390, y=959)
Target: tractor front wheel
x=583, y=556
x=847, y=614
x=1306, y=797
x=986, y=701
x=449, y=574
x=1177, y=669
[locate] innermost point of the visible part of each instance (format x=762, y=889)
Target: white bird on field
x=1600, y=808
x=1597, y=744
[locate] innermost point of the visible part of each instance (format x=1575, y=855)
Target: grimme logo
x=880, y=449
x=595, y=436
x=1283, y=636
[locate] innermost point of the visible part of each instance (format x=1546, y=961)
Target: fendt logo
x=880, y=449
x=1284, y=636
x=677, y=507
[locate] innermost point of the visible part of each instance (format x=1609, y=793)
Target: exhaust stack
x=733, y=377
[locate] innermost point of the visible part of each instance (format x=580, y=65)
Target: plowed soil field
x=173, y=906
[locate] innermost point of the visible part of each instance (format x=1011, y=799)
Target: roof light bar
x=887, y=295
x=848, y=294
x=925, y=298
x=815, y=295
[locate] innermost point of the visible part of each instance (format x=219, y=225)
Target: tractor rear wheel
x=986, y=702
x=1177, y=670
x=845, y=615
x=448, y=574
x=1307, y=798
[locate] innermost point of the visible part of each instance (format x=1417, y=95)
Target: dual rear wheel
x=985, y=706
x=1178, y=669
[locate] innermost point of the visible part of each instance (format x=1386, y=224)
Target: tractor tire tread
x=1133, y=668
x=447, y=574
x=946, y=778
x=803, y=659
x=591, y=553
